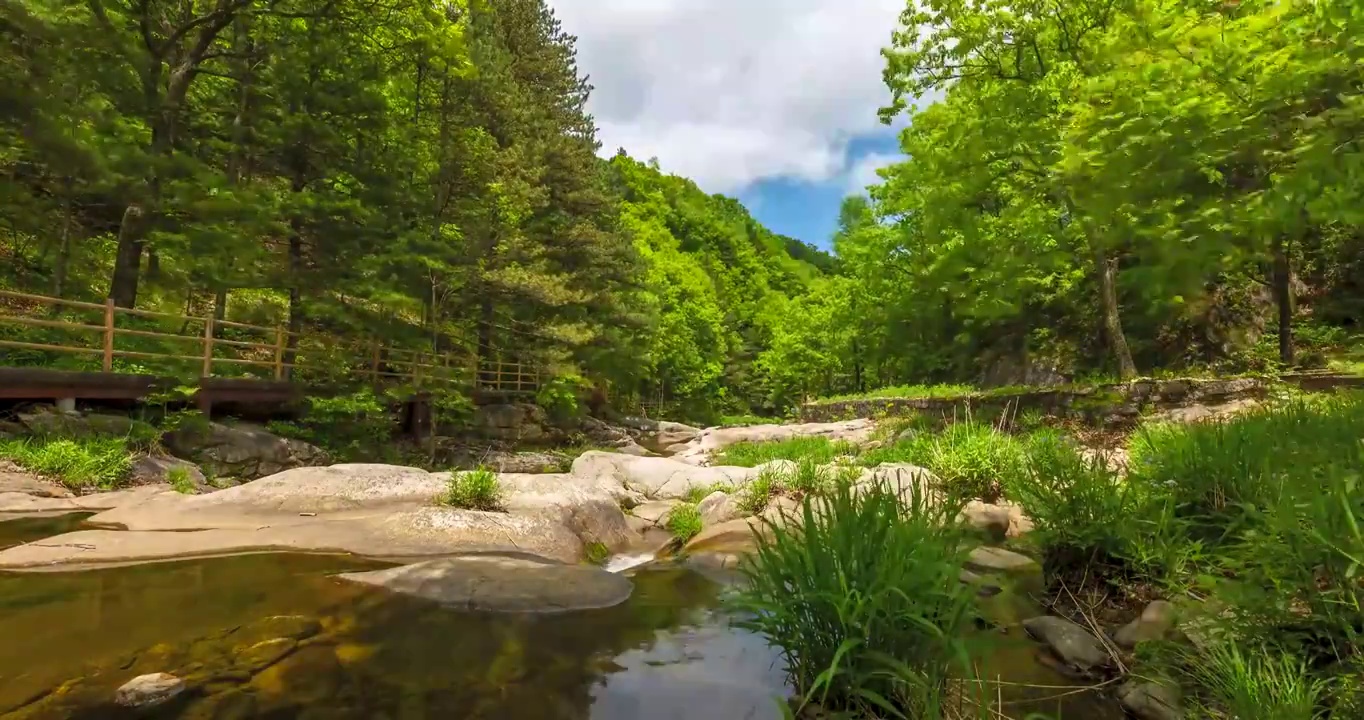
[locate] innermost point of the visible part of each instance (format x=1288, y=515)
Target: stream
x=278, y=636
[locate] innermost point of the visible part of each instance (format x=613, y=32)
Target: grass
x=684, y=521
x=697, y=493
x=752, y=454
x=180, y=480
x=729, y=421
x=102, y=463
x=858, y=634
x=754, y=497
x=477, y=489
x=1263, y=513
x=946, y=390
x=970, y=458
x=596, y=553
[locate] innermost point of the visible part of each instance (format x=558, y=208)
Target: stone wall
x=1116, y=405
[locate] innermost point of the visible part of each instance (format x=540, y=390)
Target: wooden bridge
x=223, y=360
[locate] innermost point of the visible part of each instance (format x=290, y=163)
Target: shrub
x=754, y=497
x=1079, y=507
x=353, y=426
x=751, y=454
x=859, y=634
x=78, y=463
x=907, y=391
x=697, y=493
x=596, y=553
x=180, y=480
x=477, y=489
x=684, y=521
x=559, y=397
x=971, y=459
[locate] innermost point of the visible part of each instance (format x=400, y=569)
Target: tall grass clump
x=477, y=489
x=945, y=390
x=970, y=458
x=862, y=600
x=752, y=454
x=80, y=463
x=684, y=521
x=754, y=496
x=1263, y=683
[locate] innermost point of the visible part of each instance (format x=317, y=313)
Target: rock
x=241, y=450
x=503, y=584
x=11, y=502
x=657, y=478
x=14, y=479
x=718, y=507
x=991, y=520
x=49, y=421
x=903, y=479
x=1069, y=641
x=733, y=537
x=149, y=690
x=1157, y=619
x=521, y=422
x=671, y=433
x=523, y=462
x=372, y=510
x=699, y=450
x=633, y=448
x=654, y=511
x=150, y=469
x=1150, y=700
x=994, y=559
x=603, y=433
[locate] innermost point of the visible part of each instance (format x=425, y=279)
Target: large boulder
x=657, y=478
x=511, y=421
x=365, y=509
x=157, y=469
x=48, y=420
x=240, y=450
x=718, y=507
x=1070, y=642
x=503, y=584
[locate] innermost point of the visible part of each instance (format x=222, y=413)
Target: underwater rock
x=149, y=690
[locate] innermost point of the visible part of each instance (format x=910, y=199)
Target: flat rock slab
x=503, y=584
x=1072, y=643
x=656, y=478
x=18, y=502
x=995, y=559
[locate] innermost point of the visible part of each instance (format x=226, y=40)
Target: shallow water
x=18, y=531
x=351, y=651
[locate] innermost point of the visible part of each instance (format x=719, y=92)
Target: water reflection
x=666, y=653
x=19, y=530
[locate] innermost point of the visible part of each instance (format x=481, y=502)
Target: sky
x=770, y=101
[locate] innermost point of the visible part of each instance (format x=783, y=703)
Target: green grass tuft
x=596, y=553
x=861, y=635
x=971, y=459
x=477, y=489
x=750, y=454
x=102, y=463
x=1262, y=684
x=180, y=480
x=907, y=391
x=684, y=521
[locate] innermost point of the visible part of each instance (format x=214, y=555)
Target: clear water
x=69, y=640
x=18, y=531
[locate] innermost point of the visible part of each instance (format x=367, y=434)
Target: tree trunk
x=220, y=303
x=1283, y=298
x=63, y=250
x=485, y=335
x=1117, y=340
x=128, y=257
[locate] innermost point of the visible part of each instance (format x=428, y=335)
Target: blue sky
x=808, y=210
x=770, y=101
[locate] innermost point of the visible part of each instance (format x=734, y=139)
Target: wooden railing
x=271, y=351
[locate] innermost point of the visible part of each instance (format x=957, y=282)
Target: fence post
x=279, y=353
x=108, y=335
x=208, y=347
x=417, y=369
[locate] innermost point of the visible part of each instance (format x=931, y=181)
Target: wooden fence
x=272, y=352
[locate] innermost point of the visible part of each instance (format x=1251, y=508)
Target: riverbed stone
x=992, y=521
x=149, y=690
x=733, y=537
x=14, y=479
x=711, y=440
x=240, y=450
x=1155, y=621
x=153, y=469
x=1072, y=643
x=718, y=507
x=655, y=512
x=657, y=478
x=1147, y=700
x=997, y=559
x=503, y=584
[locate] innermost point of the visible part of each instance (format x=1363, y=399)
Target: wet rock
x=229, y=704
x=672, y=433
x=718, y=507
x=992, y=521
x=241, y=450
x=1150, y=700
x=503, y=584
x=263, y=654
x=291, y=627
x=149, y=690
x=735, y=536
x=1157, y=619
x=1069, y=641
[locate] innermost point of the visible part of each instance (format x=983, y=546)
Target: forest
x=1091, y=189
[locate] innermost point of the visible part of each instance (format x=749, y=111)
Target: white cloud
x=863, y=170
x=728, y=92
